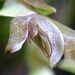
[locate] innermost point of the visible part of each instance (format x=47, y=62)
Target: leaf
x=15, y=8
x=41, y=7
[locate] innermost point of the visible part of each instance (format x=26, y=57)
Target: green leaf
x=41, y=7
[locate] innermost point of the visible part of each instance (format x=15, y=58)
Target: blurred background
x=30, y=59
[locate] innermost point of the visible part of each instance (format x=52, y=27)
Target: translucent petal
x=53, y=35
x=40, y=30
x=18, y=34
x=15, y=8
x=68, y=34
x=40, y=7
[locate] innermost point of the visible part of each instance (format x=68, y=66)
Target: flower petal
x=53, y=35
x=40, y=6
x=15, y=8
x=51, y=39
x=18, y=34
x=68, y=34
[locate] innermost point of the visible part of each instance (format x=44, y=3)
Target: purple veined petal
x=38, y=37
x=54, y=35
x=21, y=28
x=18, y=34
x=48, y=32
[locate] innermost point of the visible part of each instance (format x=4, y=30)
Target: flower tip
x=8, y=51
